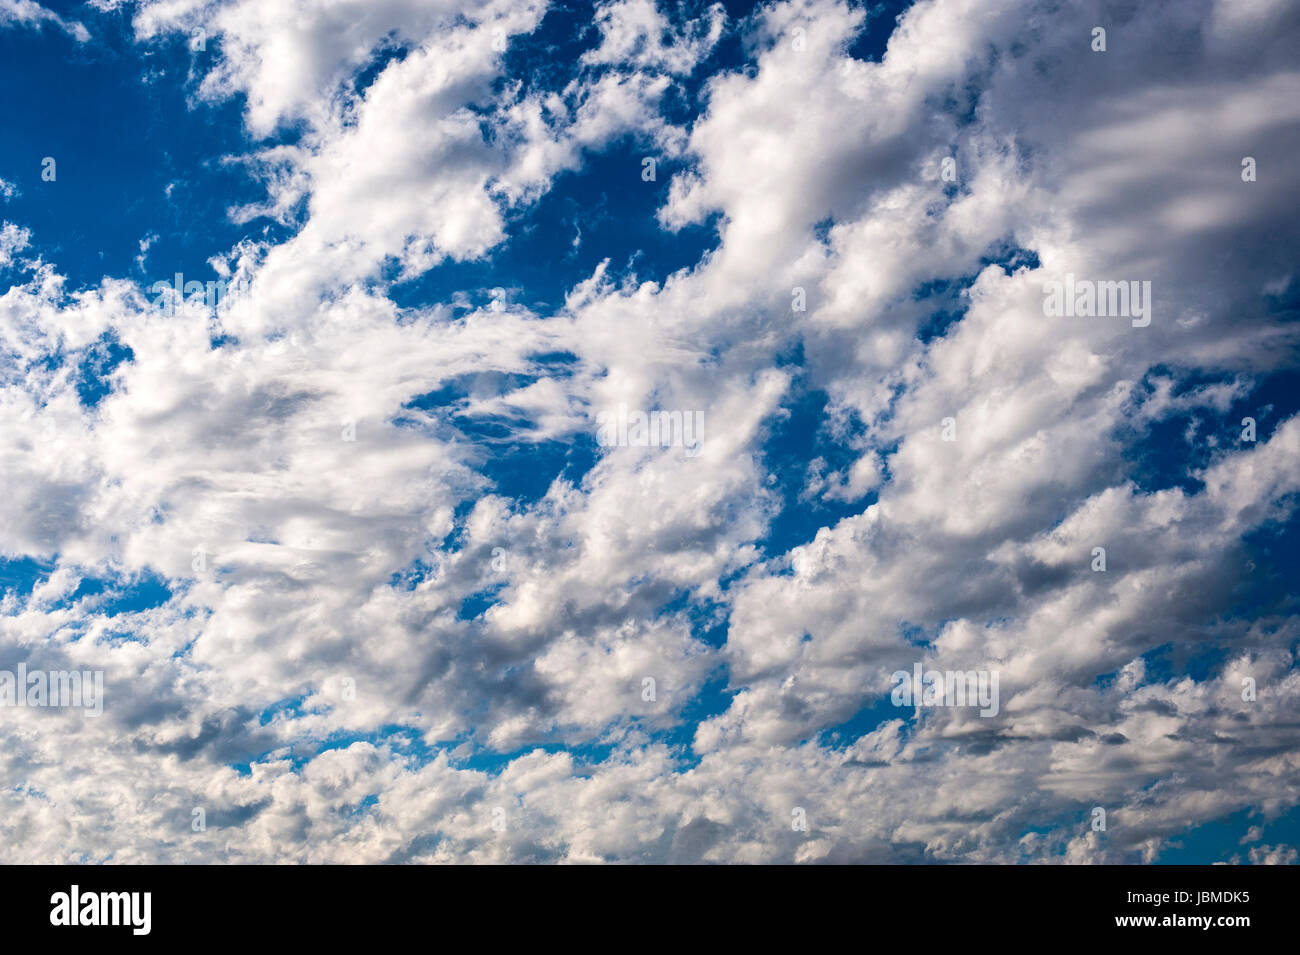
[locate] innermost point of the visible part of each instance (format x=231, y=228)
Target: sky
x=368, y=578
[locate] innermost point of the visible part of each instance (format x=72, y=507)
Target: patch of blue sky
x=944, y=296
x=1222, y=840
x=483, y=384
x=19, y=575
x=147, y=592
x=947, y=295
x=516, y=464
x=117, y=596
x=545, y=59
x=412, y=575
x=1169, y=452
x=525, y=470
x=708, y=619
x=105, y=596
x=136, y=154
x=798, y=436
x=478, y=603
x=290, y=708
x=602, y=211
x=95, y=373
x=454, y=540
x=712, y=699
x=1177, y=660
x=869, y=718
x=1009, y=257
x=386, y=53
x=882, y=17
x=1271, y=582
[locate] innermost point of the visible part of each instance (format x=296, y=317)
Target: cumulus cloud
x=366, y=588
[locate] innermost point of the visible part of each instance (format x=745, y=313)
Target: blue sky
x=360, y=571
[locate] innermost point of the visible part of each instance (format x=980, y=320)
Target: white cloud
x=12, y=240
x=29, y=13
x=825, y=174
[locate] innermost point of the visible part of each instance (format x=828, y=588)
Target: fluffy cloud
x=367, y=642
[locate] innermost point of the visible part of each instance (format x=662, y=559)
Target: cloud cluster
x=365, y=588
